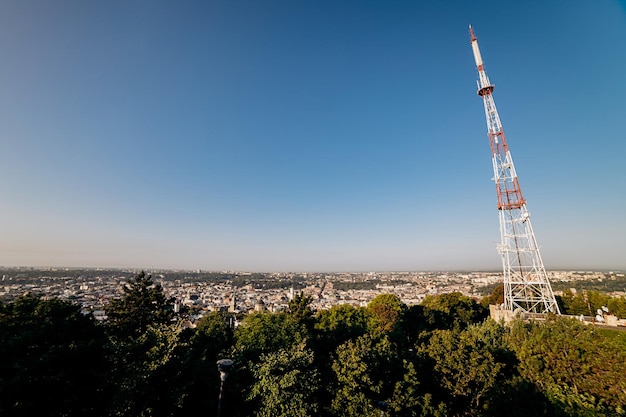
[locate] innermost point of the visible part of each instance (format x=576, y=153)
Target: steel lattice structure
x=526, y=284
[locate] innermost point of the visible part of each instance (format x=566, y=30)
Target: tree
x=265, y=332
x=409, y=398
x=578, y=369
x=596, y=300
x=142, y=304
x=260, y=333
x=213, y=331
x=495, y=298
x=584, y=302
x=366, y=370
x=339, y=324
x=194, y=368
x=574, y=304
x=386, y=312
x=146, y=351
x=300, y=308
x=617, y=306
x=52, y=362
x=457, y=310
x=169, y=370
x=145, y=372
x=285, y=382
x=335, y=326
x=471, y=367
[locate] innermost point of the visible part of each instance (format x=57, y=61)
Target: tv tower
x=526, y=285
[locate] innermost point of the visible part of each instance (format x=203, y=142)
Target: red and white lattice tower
x=526, y=284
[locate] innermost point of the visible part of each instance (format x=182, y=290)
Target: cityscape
x=241, y=292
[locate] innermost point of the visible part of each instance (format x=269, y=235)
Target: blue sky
x=306, y=136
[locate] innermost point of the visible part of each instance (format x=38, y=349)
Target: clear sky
x=306, y=135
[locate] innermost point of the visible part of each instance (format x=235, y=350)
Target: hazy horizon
x=195, y=270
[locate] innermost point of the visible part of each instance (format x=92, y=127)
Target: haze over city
x=306, y=136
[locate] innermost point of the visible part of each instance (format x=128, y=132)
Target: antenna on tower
x=526, y=285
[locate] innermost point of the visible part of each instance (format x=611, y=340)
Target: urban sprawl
x=239, y=292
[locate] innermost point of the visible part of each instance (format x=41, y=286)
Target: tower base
x=498, y=314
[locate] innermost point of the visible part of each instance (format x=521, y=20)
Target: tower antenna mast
x=526, y=285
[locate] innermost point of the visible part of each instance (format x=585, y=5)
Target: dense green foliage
x=142, y=305
x=52, y=359
x=588, y=302
x=608, y=283
x=576, y=366
x=440, y=358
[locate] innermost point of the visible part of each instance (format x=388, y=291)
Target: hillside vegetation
x=441, y=358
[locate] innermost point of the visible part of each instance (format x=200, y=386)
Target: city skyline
x=273, y=136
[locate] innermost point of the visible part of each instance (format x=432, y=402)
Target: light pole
x=224, y=366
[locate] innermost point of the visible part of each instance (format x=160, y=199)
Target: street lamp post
x=224, y=366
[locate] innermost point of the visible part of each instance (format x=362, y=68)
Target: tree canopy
x=53, y=360
x=440, y=358
x=142, y=304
